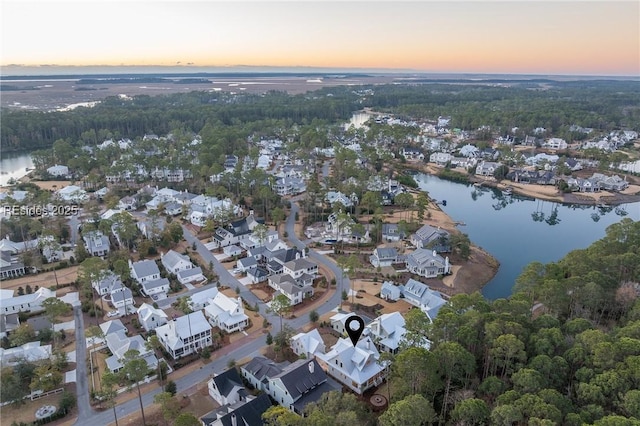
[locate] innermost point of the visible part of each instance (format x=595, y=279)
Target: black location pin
x=354, y=326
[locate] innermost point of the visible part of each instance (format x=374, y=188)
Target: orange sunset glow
x=575, y=37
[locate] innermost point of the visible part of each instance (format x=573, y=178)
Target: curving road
x=223, y=355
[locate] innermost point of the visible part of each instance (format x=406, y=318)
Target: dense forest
x=601, y=104
x=573, y=360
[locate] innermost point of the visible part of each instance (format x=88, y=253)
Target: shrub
x=206, y=353
x=171, y=387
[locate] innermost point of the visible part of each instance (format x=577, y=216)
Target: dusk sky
x=532, y=37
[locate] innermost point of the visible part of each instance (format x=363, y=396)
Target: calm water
x=13, y=165
x=517, y=231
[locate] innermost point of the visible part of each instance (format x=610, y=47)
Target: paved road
x=224, y=355
x=85, y=412
x=225, y=278
x=320, y=259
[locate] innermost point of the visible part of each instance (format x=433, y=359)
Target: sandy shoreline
x=546, y=192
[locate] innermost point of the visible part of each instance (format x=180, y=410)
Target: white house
x=420, y=295
x=197, y=301
x=227, y=388
x=119, y=343
x=122, y=299
x=287, y=285
x=555, y=143
x=338, y=322
x=26, y=303
x=72, y=194
x=427, y=263
x=387, y=331
x=151, y=318
x=175, y=262
x=226, y=313
x=31, y=351
x=487, y=168
x=58, y=171
x=384, y=256
x=432, y=237
x=185, y=335
x=390, y=291
x=356, y=367
x=308, y=344
x=156, y=289
x=96, y=243
x=144, y=270
x=190, y=275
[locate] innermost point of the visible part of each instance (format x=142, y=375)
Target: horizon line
x=376, y=70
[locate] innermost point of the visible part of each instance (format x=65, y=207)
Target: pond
x=518, y=230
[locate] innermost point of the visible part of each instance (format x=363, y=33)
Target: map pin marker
x=354, y=330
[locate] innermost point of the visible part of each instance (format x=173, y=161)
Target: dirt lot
x=44, y=279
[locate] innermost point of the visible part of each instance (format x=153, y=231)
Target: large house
x=421, y=296
x=431, y=237
x=31, y=351
x=226, y=313
x=119, y=343
x=156, y=289
x=291, y=385
x=300, y=384
x=357, y=367
x=185, y=335
x=58, y=171
x=10, y=266
x=235, y=232
x=292, y=289
x=96, y=243
x=427, y=263
x=26, y=303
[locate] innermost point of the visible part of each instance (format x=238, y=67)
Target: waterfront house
x=427, y=263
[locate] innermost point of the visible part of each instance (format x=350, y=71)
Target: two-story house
x=96, y=243
x=185, y=335
x=357, y=367
x=226, y=313
x=427, y=263
x=151, y=318
x=175, y=262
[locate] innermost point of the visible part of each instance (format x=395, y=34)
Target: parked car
x=112, y=314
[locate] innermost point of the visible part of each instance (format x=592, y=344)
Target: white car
x=113, y=314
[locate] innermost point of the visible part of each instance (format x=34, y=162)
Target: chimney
x=234, y=422
x=435, y=253
x=311, y=367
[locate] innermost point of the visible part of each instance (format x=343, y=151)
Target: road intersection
x=245, y=347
